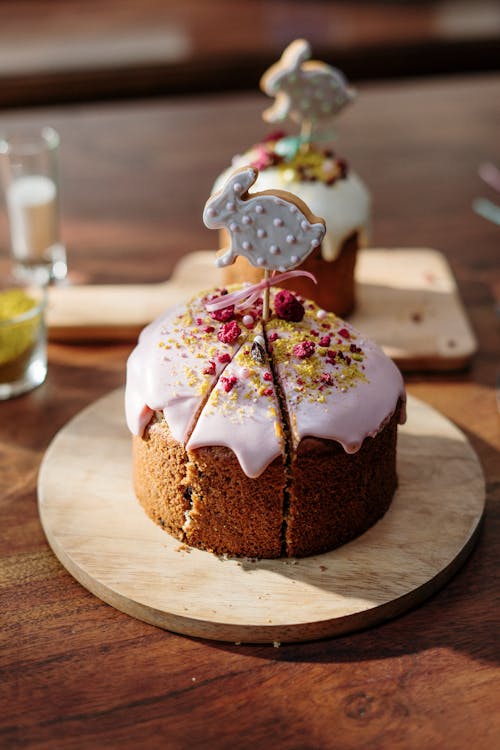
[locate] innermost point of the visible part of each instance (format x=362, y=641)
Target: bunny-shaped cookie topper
x=273, y=229
x=305, y=90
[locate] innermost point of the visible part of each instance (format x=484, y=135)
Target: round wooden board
x=101, y=535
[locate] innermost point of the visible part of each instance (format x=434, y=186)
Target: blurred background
x=58, y=51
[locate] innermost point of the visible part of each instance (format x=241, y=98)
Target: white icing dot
x=246, y=245
x=259, y=209
x=211, y=211
x=260, y=261
x=293, y=258
x=246, y=219
x=304, y=225
x=237, y=187
x=293, y=209
x=278, y=222
x=282, y=269
x=290, y=239
x=233, y=227
x=315, y=242
x=261, y=233
x=321, y=314
x=230, y=206
x=248, y=321
x=274, y=250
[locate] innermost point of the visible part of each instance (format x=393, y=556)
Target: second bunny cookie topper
x=273, y=229
x=305, y=90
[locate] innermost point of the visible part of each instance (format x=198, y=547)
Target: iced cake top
x=227, y=378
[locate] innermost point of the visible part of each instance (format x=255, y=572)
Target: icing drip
x=201, y=374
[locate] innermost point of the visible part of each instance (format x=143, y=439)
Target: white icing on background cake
x=345, y=206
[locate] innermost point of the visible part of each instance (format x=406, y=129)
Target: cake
x=262, y=438
x=311, y=170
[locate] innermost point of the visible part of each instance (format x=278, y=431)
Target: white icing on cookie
x=272, y=230
x=305, y=90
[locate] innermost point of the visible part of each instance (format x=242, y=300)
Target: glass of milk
x=29, y=171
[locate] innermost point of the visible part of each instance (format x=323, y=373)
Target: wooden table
x=76, y=673
x=87, y=50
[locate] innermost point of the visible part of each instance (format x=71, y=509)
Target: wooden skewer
x=265, y=307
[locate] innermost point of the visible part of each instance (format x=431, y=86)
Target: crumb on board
x=276, y=644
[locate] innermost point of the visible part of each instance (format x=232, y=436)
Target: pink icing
x=344, y=389
x=244, y=416
x=346, y=400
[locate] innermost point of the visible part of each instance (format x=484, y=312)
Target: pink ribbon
x=244, y=298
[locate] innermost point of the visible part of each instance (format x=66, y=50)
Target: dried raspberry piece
x=267, y=376
x=325, y=340
x=288, y=307
x=224, y=358
x=331, y=355
x=229, y=332
x=267, y=392
x=210, y=369
x=272, y=336
x=208, y=329
x=344, y=333
x=224, y=315
x=304, y=349
x=327, y=378
x=199, y=321
x=229, y=382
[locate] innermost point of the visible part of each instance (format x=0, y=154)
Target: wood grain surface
x=99, y=532
x=76, y=673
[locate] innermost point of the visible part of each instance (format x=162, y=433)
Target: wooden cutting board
x=407, y=301
x=102, y=536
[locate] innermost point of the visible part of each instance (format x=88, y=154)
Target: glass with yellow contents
x=23, y=338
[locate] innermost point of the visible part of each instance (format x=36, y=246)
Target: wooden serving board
x=102, y=536
x=407, y=301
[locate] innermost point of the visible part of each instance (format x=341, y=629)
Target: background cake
x=262, y=439
x=312, y=94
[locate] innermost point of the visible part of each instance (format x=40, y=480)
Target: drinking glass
x=29, y=171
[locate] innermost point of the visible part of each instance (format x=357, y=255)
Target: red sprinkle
x=229, y=332
x=344, y=333
x=267, y=376
x=304, y=349
x=325, y=340
x=210, y=369
x=199, y=321
x=208, y=329
x=229, y=382
x=288, y=307
x=224, y=358
x=272, y=336
x=326, y=325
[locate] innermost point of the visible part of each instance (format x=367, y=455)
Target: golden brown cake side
x=336, y=496
x=203, y=498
